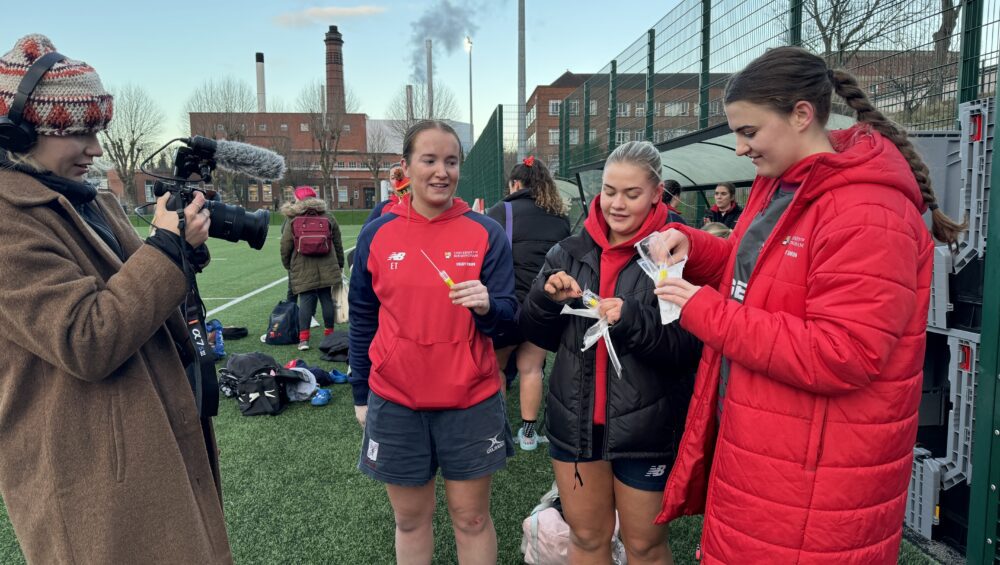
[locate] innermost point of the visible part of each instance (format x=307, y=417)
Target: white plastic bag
x=656, y=262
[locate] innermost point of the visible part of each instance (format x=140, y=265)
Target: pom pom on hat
x=303, y=192
x=69, y=100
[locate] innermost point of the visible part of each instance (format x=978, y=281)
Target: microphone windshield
x=249, y=159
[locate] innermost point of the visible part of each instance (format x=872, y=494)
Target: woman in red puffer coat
x=800, y=433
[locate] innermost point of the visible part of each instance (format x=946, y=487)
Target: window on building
x=303, y=126
x=265, y=193
x=624, y=109
x=638, y=135
x=220, y=127
x=715, y=108
x=640, y=110
x=261, y=127
x=342, y=195
x=553, y=137
x=529, y=117
x=340, y=164
x=554, y=107
x=592, y=135
x=531, y=141
x=150, y=197
x=593, y=107
x=347, y=128
x=283, y=127
x=676, y=109
x=574, y=136
x=622, y=136
x=574, y=107
x=253, y=194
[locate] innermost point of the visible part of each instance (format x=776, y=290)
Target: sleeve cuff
x=360, y=392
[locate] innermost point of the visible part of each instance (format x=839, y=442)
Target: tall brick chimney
x=334, y=71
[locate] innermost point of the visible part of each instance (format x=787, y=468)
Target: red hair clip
x=529, y=160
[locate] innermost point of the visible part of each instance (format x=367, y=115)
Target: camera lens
x=233, y=223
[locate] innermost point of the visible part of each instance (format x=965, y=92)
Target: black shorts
x=405, y=447
x=643, y=474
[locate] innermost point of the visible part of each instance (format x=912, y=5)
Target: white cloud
x=313, y=16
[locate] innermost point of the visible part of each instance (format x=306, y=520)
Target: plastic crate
x=977, y=123
x=942, y=152
x=962, y=372
x=923, y=494
x=940, y=304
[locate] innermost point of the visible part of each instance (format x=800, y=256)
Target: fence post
x=968, y=66
x=984, y=498
x=501, y=174
x=795, y=23
x=612, y=106
x=706, y=54
x=650, y=90
x=564, y=138
x=586, y=122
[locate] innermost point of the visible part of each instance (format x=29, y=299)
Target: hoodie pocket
x=117, y=439
x=816, y=430
x=432, y=375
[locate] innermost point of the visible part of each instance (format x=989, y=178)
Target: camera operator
x=104, y=457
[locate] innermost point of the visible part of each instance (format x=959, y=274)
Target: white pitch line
x=235, y=301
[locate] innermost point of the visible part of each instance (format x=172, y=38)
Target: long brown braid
x=783, y=76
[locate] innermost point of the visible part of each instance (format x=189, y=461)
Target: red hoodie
x=613, y=260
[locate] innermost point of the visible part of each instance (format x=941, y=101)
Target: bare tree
x=229, y=100
x=326, y=125
x=445, y=107
x=131, y=135
x=839, y=29
x=377, y=150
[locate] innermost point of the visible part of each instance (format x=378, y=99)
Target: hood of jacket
x=299, y=207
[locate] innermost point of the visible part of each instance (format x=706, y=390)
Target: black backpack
x=257, y=382
x=283, y=324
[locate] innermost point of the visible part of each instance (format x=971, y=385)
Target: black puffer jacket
x=647, y=406
x=534, y=232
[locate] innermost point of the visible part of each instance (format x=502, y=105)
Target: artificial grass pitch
x=291, y=487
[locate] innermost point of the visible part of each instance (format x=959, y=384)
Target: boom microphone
x=237, y=157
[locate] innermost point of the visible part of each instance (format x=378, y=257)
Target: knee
x=406, y=523
x=590, y=540
x=645, y=549
x=470, y=523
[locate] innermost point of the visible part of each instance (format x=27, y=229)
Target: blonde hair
x=642, y=154
x=25, y=160
x=717, y=229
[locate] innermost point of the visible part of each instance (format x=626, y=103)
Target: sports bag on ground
x=283, y=324
x=312, y=234
x=259, y=382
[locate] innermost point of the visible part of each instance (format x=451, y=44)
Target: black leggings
x=307, y=307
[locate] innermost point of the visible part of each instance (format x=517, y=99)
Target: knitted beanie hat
x=69, y=100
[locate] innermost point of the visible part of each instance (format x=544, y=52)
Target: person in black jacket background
x=613, y=438
x=534, y=216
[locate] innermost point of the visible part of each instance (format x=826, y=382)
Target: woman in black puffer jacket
x=616, y=437
x=534, y=216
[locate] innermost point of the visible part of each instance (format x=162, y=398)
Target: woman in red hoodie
x=432, y=282
x=800, y=434
x=613, y=436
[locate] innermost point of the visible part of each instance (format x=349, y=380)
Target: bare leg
x=469, y=508
x=413, y=508
x=589, y=510
x=503, y=355
x=530, y=358
x=645, y=542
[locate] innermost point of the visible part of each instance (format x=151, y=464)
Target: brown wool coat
x=309, y=273
x=102, y=455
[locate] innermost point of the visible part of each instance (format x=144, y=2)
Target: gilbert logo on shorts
x=495, y=444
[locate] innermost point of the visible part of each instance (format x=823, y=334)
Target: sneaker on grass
x=303, y=345
x=527, y=443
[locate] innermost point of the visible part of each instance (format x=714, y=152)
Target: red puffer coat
x=812, y=459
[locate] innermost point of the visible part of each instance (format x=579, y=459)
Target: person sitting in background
x=717, y=229
x=726, y=209
x=311, y=276
x=672, y=198
x=535, y=216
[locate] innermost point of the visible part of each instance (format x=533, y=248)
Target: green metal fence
x=482, y=173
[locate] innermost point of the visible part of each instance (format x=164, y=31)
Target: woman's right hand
x=560, y=287
x=361, y=413
x=196, y=217
x=674, y=244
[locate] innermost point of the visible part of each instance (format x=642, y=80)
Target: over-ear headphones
x=17, y=135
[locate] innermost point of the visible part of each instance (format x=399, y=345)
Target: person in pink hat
x=313, y=253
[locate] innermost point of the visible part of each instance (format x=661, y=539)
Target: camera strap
x=201, y=372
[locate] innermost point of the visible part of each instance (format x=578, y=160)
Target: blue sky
x=172, y=47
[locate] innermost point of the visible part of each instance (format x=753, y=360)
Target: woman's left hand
x=610, y=309
x=471, y=294
x=675, y=290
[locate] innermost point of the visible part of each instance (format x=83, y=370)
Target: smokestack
x=522, y=140
x=334, y=71
x=430, y=82
x=261, y=98
x=409, y=104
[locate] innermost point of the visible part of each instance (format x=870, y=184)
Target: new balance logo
x=495, y=444
x=656, y=471
x=397, y=256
